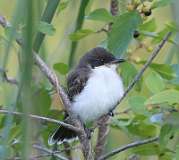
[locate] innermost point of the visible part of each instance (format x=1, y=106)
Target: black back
x=96, y=57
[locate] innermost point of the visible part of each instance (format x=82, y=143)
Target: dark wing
x=76, y=81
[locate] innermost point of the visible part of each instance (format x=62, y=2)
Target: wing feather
x=76, y=81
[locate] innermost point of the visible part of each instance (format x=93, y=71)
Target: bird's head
x=99, y=57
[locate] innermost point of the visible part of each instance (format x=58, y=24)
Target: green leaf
x=165, y=70
x=17, y=33
x=154, y=82
x=100, y=15
x=121, y=124
x=160, y=35
x=41, y=101
x=176, y=70
x=147, y=149
x=173, y=119
x=80, y=34
x=149, y=26
x=122, y=32
x=172, y=26
x=177, y=152
x=46, y=28
x=165, y=134
x=62, y=68
x=161, y=3
x=168, y=96
x=142, y=129
x=137, y=104
x=136, y=126
x=128, y=72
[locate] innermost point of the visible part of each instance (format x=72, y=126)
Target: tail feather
x=61, y=135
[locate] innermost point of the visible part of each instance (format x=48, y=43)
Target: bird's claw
x=111, y=114
x=88, y=132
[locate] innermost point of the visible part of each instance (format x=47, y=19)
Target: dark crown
x=96, y=57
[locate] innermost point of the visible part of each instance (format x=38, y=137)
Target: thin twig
x=148, y=62
x=139, y=75
x=46, y=150
x=8, y=79
x=128, y=146
x=83, y=137
x=135, y=80
x=51, y=76
x=114, y=7
x=41, y=118
x=102, y=136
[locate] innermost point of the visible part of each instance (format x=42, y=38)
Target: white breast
x=103, y=90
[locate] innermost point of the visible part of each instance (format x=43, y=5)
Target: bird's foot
x=111, y=114
x=88, y=132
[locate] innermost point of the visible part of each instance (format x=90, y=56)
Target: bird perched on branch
x=94, y=89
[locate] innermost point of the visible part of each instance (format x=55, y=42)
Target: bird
x=94, y=88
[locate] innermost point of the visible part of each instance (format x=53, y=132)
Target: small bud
x=148, y=13
x=146, y=9
x=130, y=7
x=149, y=49
x=136, y=34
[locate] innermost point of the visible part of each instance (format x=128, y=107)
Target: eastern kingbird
x=94, y=88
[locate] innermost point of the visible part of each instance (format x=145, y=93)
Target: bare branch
x=128, y=146
x=51, y=76
x=102, y=136
x=135, y=80
x=46, y=150
x=146, y=65
x=83, y=137
x=103, y=129
x=114, y=7
x=42, y=119
x=8, y=79
x=3, y=22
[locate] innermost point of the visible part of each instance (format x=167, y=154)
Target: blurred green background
x=56, y=48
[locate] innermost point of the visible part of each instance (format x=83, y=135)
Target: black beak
x=120, y=60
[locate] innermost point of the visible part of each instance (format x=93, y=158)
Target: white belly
x=101, y=93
